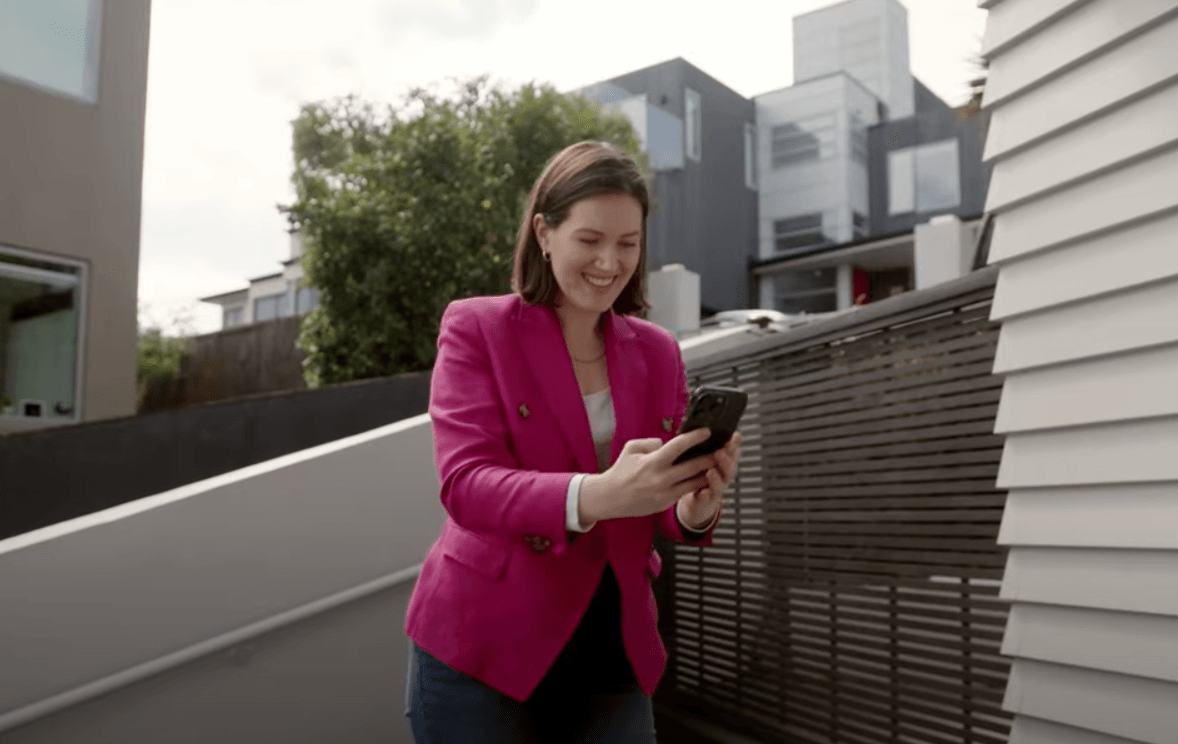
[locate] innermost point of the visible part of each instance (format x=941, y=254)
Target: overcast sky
x=226, y=77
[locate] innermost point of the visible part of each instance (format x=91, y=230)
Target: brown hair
x=577, y=172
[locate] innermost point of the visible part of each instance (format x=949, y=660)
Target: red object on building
x=860, y=287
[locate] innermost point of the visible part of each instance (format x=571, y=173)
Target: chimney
x=673, y=292
x=942, y=251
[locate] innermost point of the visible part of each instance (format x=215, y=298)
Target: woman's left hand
x=697, y=510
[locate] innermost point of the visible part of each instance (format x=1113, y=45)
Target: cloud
x=457, y=18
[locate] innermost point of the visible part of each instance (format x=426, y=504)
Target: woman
x=533, y=619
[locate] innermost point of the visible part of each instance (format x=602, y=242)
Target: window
x=801, y=141
x=797, y=234
x=233, y=317
x=750, y=156
x=858, y=140
x=925, y=178
x=808, y=291
x=859, y=225
x=306, y=300
x=40, y=318
x=271, y=307
x=694, y=124
x=52, y=44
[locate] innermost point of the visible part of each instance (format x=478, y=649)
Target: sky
x=227, y=77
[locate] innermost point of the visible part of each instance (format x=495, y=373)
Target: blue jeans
x=445, y=706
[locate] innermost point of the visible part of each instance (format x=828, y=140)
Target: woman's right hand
x=643, y=480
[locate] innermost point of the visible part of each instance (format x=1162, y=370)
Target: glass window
x=858, y=140
x=306, y=300
x=938, y=178
x=859, y=225
x=796, y=234
x=925, y=178
x=694, y=123
x=807, y=291
x=40, y=306
x=801, y=141
x=750, y=156
x=271, y=307
x=234, y=317
x=901, y=181
x=52, y=44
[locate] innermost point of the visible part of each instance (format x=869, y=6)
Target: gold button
x=523, y=411
x=667, y=425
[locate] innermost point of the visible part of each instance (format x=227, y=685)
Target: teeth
x=598, y=282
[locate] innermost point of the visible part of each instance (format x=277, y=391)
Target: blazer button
x=539, y=544
x=523, y=411
x=667, y=425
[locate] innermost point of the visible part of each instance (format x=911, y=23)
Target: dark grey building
x=699, y=135
x=926, y=165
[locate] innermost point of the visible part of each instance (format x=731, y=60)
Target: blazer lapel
x=543, y=345
x=627, y=382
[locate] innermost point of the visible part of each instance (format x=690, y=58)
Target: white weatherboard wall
x=1084, y=148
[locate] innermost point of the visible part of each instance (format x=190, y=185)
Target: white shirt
x=602, y=423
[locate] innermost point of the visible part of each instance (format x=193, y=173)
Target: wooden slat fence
x=852, y=593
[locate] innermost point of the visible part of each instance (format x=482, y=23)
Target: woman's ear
x=540, y=227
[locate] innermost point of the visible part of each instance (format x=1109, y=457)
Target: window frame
x=750, y=155
x=790, y=157
x=903, y=168
x=83, y=298
x=782, y=230
x=693, y=125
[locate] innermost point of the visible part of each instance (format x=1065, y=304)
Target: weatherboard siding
x=1083, y=142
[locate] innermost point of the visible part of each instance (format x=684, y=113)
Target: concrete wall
x=705, y=216
x=1084, y=146
x=50, y=476
x=70, y=187
x=263, y=605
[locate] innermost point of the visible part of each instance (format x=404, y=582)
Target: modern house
x=73, y=82
x=698, y=136
x=276, y=295
x=808, y=199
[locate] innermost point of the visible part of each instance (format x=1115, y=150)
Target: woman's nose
x=607, y=260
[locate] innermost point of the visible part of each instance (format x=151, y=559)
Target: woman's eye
x=588, y=242
x=629, y=245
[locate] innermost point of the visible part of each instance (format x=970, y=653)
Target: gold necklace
x=588, y=361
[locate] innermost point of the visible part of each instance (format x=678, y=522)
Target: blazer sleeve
x=668, y=520
x=483, y=487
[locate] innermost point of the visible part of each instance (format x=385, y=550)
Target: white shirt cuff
x=572, y=510
x=686, y=526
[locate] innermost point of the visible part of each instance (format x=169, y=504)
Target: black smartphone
x=717, y=408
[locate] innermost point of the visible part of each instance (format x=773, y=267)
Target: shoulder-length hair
x=577, y=172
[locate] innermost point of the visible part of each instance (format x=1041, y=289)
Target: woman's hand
x=697, y=509
x=643, y=480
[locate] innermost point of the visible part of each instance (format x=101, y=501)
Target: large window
x=693, y=123
x=271, y=307
x=750, y=156
x=801, y=141
x=807, y=291
x=233, y=317
x=40, y=307
x=925, y=178
x=52, y=44
x=798, y=234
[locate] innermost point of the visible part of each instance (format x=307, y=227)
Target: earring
x=547, y=257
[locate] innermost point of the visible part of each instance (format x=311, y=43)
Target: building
x=277, y=295
x=73, y=82
x=699, y=137
x=855, y=159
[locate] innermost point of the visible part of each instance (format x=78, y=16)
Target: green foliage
x=159, y=355
x=404, y=210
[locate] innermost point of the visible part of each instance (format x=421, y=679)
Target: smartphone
x=717, y=408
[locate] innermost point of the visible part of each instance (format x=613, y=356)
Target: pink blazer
x=505, y=585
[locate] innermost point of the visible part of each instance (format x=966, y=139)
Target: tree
x=404, y=210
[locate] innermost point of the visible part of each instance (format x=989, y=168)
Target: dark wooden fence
x=852, y=593
x=244, y=360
